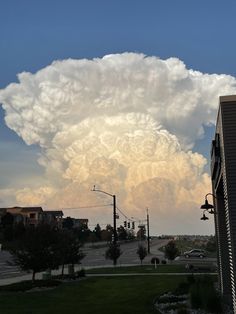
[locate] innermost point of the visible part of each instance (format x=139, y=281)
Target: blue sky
x=35, y=33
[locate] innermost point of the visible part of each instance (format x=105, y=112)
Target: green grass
x=138, y=269
x=27, y=285
x=92, y=296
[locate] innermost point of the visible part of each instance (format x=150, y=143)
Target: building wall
x=224, y=188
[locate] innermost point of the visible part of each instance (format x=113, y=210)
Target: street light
x=148, y=235
x=114, y=212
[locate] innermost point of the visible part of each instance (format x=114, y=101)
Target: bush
x=171, y=250
x=155, y=260
x=191, y=279
x=163, y=262
x=189, y=267
x=183, y=288
x=183, y=311
x=203, y=295
x=80, y=273
x=27, y=285
x=196, y=296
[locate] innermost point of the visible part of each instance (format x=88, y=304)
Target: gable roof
x=31, y=209
x=54, y=212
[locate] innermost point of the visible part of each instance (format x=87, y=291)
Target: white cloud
x=125, y=122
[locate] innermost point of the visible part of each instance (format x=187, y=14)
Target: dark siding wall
x=228, y=115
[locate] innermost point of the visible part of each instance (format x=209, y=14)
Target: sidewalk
x=10, y=280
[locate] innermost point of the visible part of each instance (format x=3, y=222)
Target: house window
x=32, y=216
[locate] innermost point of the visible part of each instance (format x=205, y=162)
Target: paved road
x=96, y=256
x=7, y=270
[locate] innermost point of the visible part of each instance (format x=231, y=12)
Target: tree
x=171, y=251
x=97, y=231
x=106, y=235
x=141, y=234
x=82, y=232
x=68, y=223
x=122, y=233
x=35, y=250
x=142, y=253
x=68, y=249
x=7, y=222
x=113, y=252
x=92, y=237
x=211, y=244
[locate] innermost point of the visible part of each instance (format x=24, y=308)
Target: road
x=7, y=270
x=95, y=257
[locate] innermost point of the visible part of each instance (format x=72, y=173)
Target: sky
x=118, y=94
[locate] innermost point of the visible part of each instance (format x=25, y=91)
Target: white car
x=195, y=253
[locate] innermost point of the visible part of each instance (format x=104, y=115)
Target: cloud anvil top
x=125, y=122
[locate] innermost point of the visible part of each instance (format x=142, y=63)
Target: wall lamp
x=209, y=208
x=204, y=217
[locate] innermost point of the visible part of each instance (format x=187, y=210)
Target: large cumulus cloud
x=125, y=122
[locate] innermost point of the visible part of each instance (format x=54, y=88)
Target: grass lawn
x=126, y=295
x=138, y=269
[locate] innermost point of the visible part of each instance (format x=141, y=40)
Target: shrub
x=155, y=260
x=171, y=250
x=80, y=273
x=183, y=288
x=191, y=279
x=183, y=311
x=27, y=285
x=196, y=296
x=163, y=262
x=189, y=267
x=203, y=295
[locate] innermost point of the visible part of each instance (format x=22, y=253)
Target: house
x=31, y=216
x=2, y=213
x=80, y=222
x=223, y=176
x=53, y=217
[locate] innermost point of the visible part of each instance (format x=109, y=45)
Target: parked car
x=195, y=253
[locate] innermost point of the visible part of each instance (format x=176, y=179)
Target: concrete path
x=12, y=280
x=147, y=274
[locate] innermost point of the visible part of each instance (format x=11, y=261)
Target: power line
x=130, y=219
x=90, y=206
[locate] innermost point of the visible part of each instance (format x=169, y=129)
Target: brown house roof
x=32, y=209
x=54, y=212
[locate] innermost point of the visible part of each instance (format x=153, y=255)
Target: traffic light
x=133, y=225
x=125, y=224
x=128, y=224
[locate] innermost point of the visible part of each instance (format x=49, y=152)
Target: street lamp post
x=114, y=220
x=114, y=212
x=148, y=235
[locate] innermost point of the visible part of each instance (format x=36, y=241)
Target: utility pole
x=148, y=235
x=114, y=212
x=114, y=220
